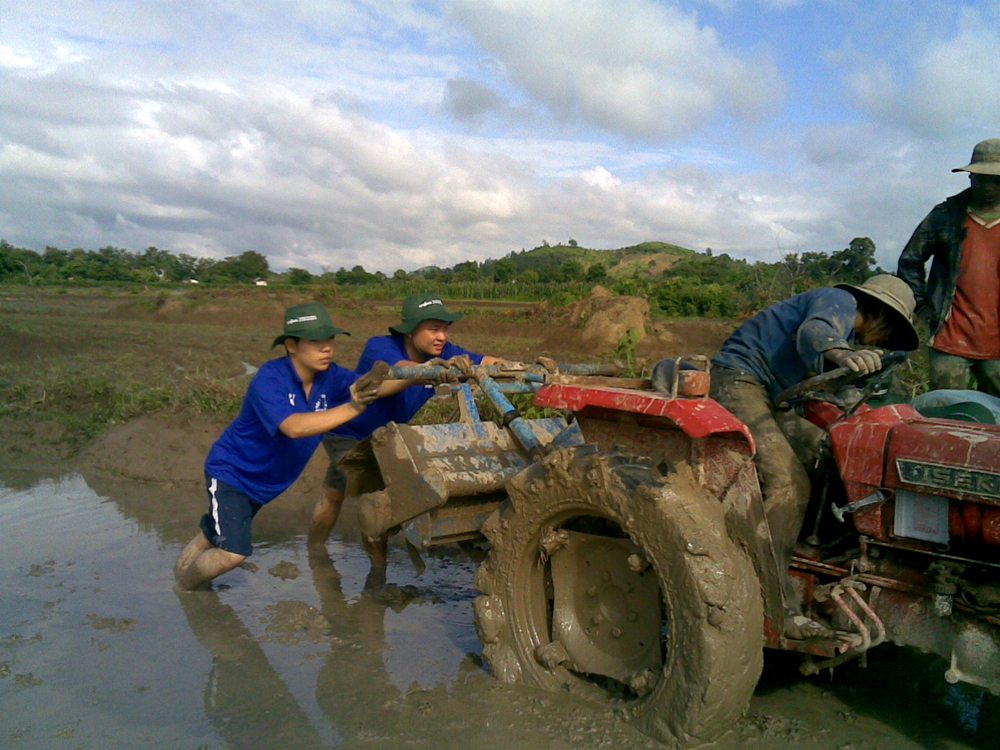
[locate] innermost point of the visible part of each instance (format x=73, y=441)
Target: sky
x=405, y=133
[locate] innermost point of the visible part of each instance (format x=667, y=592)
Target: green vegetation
x=677, y=281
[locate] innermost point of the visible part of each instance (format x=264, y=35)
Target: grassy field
x=83, y=361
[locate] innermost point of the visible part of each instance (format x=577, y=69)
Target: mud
x=95, y=647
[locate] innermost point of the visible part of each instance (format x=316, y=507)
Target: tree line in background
x=677, y=281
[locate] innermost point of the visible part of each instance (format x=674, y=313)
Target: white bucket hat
x=896, y=294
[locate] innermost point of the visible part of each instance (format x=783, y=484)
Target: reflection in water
x=251, y=706
x=245, y=699
x=353, y=679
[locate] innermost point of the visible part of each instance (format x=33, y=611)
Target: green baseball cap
x=427, y=306
x=309, y=321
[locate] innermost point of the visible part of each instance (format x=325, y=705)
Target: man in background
x=960, y=299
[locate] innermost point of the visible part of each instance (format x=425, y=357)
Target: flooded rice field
x=97, y=651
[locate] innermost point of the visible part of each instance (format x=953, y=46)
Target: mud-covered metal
x=697, y=417
x=606, y=612
x=461, y=463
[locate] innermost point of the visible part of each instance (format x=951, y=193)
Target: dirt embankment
x=602, y=321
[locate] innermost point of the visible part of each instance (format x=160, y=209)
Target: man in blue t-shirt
x=290, y=403
x=421, y=338
x=776, y=349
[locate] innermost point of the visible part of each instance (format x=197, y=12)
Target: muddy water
x=96, y=651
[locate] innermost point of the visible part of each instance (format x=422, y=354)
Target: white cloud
x=313, y=131
x=636, y=67
x=950, y=85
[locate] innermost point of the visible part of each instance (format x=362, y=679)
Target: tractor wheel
x=611, y=581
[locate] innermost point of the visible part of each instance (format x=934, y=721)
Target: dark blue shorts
x=230, y=511
x=337, y=446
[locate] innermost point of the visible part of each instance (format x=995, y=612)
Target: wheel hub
x=606, y=608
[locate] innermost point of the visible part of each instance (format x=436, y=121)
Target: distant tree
x=504, y=270
x=399, y=275
x=572, y=270
x=855, y=263
x=182, y=267
x=571, y=242
x=467, y=271
x=596, y=272
x=299, y=277
x=357, y=275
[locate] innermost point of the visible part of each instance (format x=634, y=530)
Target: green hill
x=646, y=259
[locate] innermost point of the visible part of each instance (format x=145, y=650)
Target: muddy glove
x=864, y=361
x=548, y=363
x=462, y=363
x=365, y=388
x=446, y=376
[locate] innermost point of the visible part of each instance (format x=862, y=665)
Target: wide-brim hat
x=985, y=158
x=895, y=294
x=309, y=321
x=420, y=307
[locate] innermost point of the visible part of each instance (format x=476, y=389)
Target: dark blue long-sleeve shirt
x=782, y=343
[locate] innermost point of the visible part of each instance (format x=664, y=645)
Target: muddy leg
x=194, y=548
x=987, y=372
x=948, y=371
x=207, y=566
x=325, y=515
x=785, y=485
x=377, y=550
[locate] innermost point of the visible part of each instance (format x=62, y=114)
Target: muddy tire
x=708, y=634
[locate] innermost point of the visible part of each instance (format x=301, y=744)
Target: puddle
x=96, y=651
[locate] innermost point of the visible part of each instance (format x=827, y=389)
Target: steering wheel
x=825, y=387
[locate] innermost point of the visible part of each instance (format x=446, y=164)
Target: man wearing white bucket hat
x=960, y=299
x=776, y=349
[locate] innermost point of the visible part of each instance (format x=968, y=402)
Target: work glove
x=365, y=389
x=462, y=363
x=864, y=361
x=446, y=376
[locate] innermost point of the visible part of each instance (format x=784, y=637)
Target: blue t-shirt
x=256, y=457
x=401, y=406
x=780, y=344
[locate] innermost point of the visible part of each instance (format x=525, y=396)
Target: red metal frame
x=697, y=417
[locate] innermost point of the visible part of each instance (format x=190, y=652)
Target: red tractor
x=628, y=556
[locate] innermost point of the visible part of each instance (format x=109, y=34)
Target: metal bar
x=818, y=568
x=535, y=373
x=607, y=370
x=943, y=556
x=511, y=416
x=866, y=636
x=871, y=615
x=506, y=387
x=470, y=412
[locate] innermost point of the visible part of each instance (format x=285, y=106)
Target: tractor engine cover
x=945, y=473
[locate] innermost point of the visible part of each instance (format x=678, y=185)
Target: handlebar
x=519, y=371
x=814, y=387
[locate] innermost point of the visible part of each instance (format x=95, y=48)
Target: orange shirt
x=973, y=328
